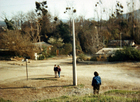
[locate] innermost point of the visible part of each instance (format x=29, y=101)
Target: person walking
x=59, y=70
x=55, y=71
x=96, y=82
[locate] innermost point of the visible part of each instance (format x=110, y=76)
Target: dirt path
x=42, y=84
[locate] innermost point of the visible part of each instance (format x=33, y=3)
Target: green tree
x=67, y=48
x=63, y=31
x=57, y=44
x=9, y=24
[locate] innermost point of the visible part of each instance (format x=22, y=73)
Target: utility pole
x=73, y=47
x=74, y=57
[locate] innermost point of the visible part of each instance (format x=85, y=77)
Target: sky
x=85, y=8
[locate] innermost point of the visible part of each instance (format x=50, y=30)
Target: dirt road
x=41, y=83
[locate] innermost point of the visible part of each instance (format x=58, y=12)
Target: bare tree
x=13, y=40
x=18, y=19
x=3, y=16
x=33, y=28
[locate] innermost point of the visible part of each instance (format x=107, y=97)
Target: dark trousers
x=96, y=89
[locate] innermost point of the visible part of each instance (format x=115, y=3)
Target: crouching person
x=96, y=82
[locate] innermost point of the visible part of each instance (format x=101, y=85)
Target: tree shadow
x=26, y=87
x=49, y=77
x=16, y=87
x=64, y=86
x=46, y=78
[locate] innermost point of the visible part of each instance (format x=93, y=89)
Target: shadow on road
x=47, y=78
x=50, y=78
x=15, y=87
x=64, y=86
x=25, y=87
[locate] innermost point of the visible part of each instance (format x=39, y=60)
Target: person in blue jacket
x=59, y=70
x=96, y=82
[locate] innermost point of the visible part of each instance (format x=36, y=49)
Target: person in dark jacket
x=59, y=70
x=55, y=71
x=96, y=82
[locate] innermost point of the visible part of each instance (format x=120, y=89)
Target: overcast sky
x=84, y=8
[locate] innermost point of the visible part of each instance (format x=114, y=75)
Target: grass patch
x=109, y=96
x=123, y=92
x=81, y=85
x=92, y=98
x=71, y=86
x=2, y=100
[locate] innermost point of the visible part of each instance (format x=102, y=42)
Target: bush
x=102, y=58
x=53, y=50
x=88, y=59
x=67, y=48
x=16, y=42
x=42, y=57
x=127, y=54
x=93, y=58
x=44, y=54
x=2, y=100
x=82, y=57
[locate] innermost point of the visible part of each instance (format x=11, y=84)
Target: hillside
x=136, y=14
x=2, y=23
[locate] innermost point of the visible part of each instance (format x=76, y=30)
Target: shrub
x=88, y=59
x=44, y=54
x=42, y=57
x=53, y=51
x=93, y=58
x=99, y=58
x=82, y=57
x=67, y=48
x=18, y=43
x=127, y=54
x=102, y=58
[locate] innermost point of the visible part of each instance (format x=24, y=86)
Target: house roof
x=114, y=43
x=42, y=43
x=107, y=51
